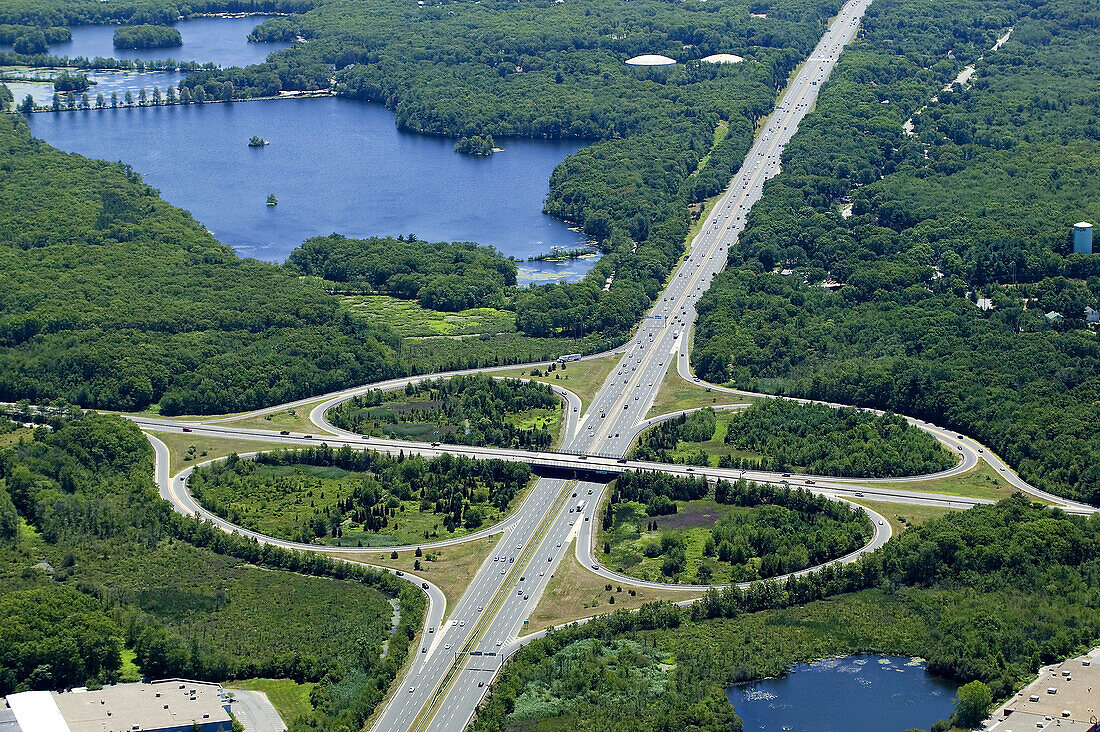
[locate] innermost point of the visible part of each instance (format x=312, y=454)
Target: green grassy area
x=676, y=395
x=547, y=419
x=982, y=481
x=13, y=438
x=689, y=453
x=904, y=515
x=574, y=593
x=129, y=671
x=412, y=321
x=450, y=568
x=293, y=419
x=208, y=448
x=282, y=500
x=583, y=378
x=290, y=699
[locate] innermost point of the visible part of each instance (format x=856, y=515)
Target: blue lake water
x=853, y=694
x=223, y=41
x=335, y=165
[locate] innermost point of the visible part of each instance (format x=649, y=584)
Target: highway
x=452, y=669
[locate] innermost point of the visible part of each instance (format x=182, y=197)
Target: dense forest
x=823, y=441
x=94, y=563
x=978, y=202
x=658, y=527
x=439, y=275
x=463, y=410
x=370, y=494
x=781, y=435
x=967, y=592
x=147, y=36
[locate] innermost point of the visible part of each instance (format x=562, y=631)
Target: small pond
x=853, y=694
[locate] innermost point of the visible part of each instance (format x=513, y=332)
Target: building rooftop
x=160, y=705
x=723, y=58
x=650, y=59
x=1065, y=696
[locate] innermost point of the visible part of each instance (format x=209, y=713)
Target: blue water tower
x=1082, y=238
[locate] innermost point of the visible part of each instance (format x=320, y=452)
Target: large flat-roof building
x=171, y=705
x=1066, y=696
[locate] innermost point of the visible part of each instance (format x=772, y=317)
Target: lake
x=854, y=694
x=223, y=41
x=335, y=165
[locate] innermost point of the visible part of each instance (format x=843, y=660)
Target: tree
x=198, y=94
x=156, y=96
x=56, y=102
x=114, y=100
x=100, y=101
x=974, y=699
x=129, y=98
x=143, y=97
x=32, y=42
x=170, y=95
x=27, y=106
x=70, y=100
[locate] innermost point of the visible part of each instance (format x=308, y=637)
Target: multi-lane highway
x=458, y=658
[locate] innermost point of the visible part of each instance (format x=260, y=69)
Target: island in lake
x=147, y=36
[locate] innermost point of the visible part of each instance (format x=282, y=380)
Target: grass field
x=412, y=321
x=981, y=481
x=13, y=438
x=129, y=672
x=675, y=395
x=294, y=419
x=575, y=593
x=903, y=515
x=208, y=448
x=583, y=378
x=290, y=699
x=450, y=568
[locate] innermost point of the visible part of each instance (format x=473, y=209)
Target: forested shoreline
x=977, y=203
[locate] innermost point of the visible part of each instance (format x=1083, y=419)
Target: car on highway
x=431, y=629
x=284, y=432
x=186, y=429
x=424, y=585
x=399, y=573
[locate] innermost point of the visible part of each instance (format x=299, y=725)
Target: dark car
x=186, y=429
x=284, y=432
x=424, y=585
